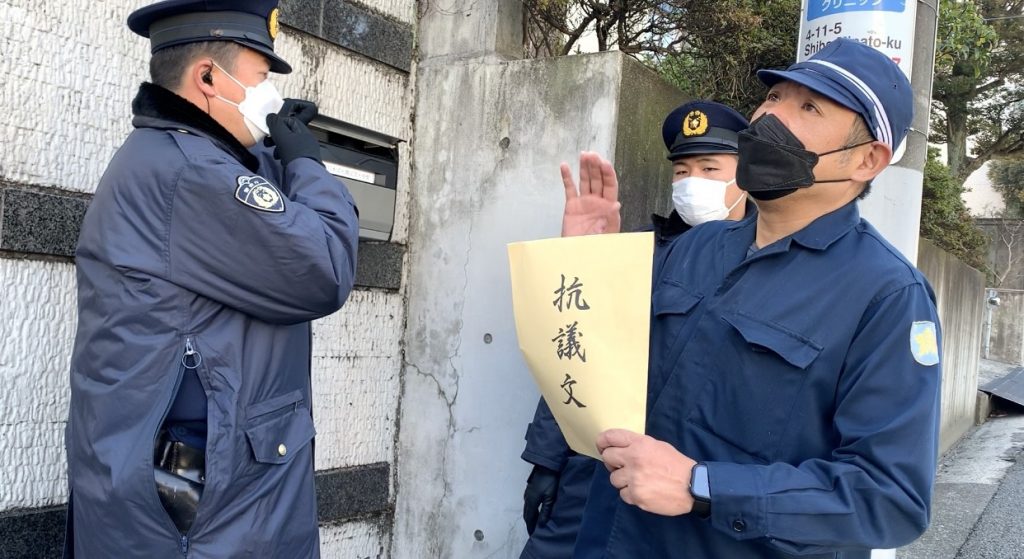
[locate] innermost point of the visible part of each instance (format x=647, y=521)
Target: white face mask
x=699, y=200
x=259, y=102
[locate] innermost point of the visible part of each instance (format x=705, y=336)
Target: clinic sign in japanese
x=885, y=25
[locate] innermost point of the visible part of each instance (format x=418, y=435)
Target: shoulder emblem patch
x=257, y=192
x=924, y=344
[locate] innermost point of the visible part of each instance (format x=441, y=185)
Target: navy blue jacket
x=190, y=247
x=806, y=377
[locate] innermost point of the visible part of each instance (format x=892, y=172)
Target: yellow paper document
x=582, y=310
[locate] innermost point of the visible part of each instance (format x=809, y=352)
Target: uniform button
x=739, y=525
x=282, y=450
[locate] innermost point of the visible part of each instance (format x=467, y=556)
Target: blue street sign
x=820, y=8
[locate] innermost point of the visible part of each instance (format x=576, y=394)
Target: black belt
x=180, y=473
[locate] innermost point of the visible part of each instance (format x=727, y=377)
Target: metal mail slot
x=367, y=162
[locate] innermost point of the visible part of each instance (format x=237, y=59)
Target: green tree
x=1007, y=176
x=554, y=27
x=727, y=43
x=945, y=219
x=979, y=65
x=710, y=48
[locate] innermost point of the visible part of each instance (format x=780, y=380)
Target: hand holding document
x=582, y=310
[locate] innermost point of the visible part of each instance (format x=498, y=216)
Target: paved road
x=999, y=533
x=978, y=506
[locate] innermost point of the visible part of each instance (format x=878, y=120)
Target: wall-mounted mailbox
x=368, y=163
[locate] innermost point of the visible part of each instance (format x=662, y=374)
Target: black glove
x=301, y=109
x=293, y=139
x=539, y=497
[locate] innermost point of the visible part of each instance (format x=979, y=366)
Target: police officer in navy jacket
x=203, y=257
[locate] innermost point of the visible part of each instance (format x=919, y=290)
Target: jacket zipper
x=192, y=358
x=174, y=391
x=189, y=360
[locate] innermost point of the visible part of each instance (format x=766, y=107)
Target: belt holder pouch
x=179, y=474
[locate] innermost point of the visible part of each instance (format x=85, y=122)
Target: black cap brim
x=277, y=64
x=701, y=149
x=716, y=140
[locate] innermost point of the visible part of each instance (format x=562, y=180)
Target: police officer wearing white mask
x=202, y=259
x=701, y=138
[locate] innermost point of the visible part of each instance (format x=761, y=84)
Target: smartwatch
x=700, y=490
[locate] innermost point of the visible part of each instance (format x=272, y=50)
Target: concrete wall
x=645, y=175
x=1005, y=251
x=489, y=136
x=69, y=76
x=960, y=291
x=1006, y=327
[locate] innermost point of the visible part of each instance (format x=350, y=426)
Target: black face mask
x=773, y=162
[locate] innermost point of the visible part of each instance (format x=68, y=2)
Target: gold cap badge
x=272, y=24
x=695, y=124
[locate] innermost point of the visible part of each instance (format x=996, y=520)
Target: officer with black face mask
x=776, y=163
x=794, y=367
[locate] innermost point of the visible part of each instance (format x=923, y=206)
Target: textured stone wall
x=70, y=71
x=37, y=326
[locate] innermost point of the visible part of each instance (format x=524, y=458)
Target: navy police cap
x=251, y=23
x=861, y=79
x=702, y=127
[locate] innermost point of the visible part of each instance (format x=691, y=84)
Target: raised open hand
x=594, y=207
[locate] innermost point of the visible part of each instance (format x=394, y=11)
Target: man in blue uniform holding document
x=794, y=355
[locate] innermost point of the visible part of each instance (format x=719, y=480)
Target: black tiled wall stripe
x=46, y=223
x=345, y=494
x=354, y=27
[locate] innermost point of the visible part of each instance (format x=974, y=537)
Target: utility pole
x=905, y=31
x=894, y=206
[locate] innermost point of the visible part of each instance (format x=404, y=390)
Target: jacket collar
x=827, y=229
x=820, y=233
x=156, y=107
x=668, y=228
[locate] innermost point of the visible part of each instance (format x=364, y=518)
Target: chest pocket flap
x=799, y=351
x=671, y=298
x=283, y=427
